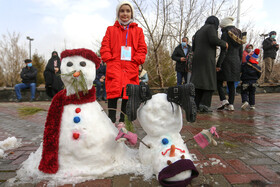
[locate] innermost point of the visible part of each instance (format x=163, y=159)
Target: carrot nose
x=76, y=74
x=172, y=151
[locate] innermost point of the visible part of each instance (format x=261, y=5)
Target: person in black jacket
x=100, y=82
x=53, y=82
x=28, y=75
x=228, y=65
x=250, y=73
x=204, y=63
x=270, y=47
x=180, y=56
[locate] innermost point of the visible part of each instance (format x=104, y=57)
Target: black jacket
x=101, y=71
x=28, y=75
x=177, y=55
x=269, y=48
x=230, y=59
x=53, y=79
x=204, y=57
x=248, y=72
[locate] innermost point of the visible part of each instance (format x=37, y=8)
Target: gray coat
x=204, y=59
x=230, y=59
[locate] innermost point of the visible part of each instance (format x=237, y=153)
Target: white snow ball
x=158, y=116
x=10, y=143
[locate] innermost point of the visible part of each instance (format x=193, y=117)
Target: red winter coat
x=119, y=73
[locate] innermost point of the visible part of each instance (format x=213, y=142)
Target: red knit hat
x=257, y=51
x=86, y=53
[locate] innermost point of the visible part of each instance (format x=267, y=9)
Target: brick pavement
x=248, y=151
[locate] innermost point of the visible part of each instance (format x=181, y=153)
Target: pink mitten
x=126, y=135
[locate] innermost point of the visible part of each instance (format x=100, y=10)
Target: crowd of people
x=233, y=64
x=123, y=52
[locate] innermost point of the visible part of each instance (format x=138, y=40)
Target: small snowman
x=168, y=156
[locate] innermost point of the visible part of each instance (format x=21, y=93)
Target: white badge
x=126, y=53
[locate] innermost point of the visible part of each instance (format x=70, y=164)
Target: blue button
x=77, y=119
x=164, y=141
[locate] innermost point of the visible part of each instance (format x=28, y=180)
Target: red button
x=76, y=135
x=78, y=110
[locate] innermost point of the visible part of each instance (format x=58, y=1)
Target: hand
x=226, y=45
x=56, y=70
x=183, y=59
x=101, y=80
x=218, y=69
x=274, y=42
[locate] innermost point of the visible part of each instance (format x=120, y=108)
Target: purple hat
x=174, y=169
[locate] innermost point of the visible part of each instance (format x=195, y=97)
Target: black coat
x=269, y=48
x=53, y=79
x=249, y=73
x=230, y=59
x=177, y=55
x=100, y=71
x=204, y=57
x=28, y=75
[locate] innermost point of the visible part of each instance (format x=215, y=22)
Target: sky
x=59, y=24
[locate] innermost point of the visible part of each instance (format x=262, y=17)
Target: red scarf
x=253, y=61
x=49, y=161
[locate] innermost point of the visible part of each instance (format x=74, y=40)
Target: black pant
x=203, y=97
x=248, y=87
x=231, y=91
x=112, y=103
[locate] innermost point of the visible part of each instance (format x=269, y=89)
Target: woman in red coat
x=123, y=49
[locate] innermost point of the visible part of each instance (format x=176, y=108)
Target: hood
x=248, y=45
x=213, y=20
x=133, y=24
x=237, y=37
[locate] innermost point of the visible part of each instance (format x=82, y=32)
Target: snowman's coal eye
x=83, y=63
x=69, y=64
x=164, y=141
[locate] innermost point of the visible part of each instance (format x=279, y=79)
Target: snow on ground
x=9, y=143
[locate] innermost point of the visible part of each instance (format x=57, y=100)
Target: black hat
x=27, y=60
x=272, y=33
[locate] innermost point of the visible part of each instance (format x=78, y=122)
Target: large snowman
x=167, y=156
x=79, y=139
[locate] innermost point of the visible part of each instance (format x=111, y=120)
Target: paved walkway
x=248, y=151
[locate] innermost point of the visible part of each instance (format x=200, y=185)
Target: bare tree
x=1, y=77
x=154, y=25
x=12, y=56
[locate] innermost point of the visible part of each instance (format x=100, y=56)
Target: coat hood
x=248, y=45
x=213, y=20
x=133, y=24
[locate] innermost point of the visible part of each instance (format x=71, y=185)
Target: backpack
x=236, y=36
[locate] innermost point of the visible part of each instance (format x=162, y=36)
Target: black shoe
x=204, y=109
x=136, y=95
x=31, y=100
x=99, y=99
x=18, y=100
x=104, y=99
x=183, y=95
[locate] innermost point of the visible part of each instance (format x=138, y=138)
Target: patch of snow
x=2, y=154
x=10, y=143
